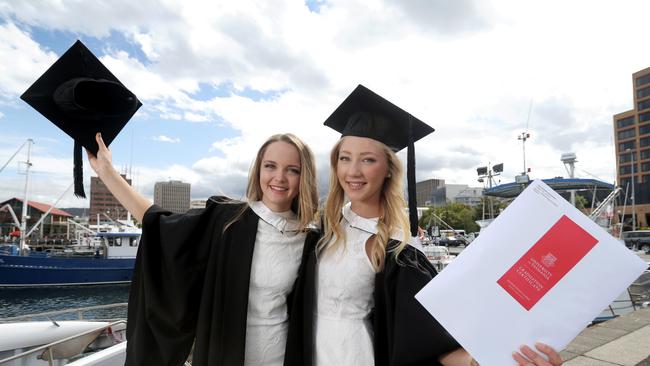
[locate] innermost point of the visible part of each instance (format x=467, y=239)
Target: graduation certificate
x=542, y=271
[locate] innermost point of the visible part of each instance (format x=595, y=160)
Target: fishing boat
x=110, y=260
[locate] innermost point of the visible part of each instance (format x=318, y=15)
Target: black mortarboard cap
x=82, y=97
x=365, y=114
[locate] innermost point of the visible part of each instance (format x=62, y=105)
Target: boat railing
x=79, y=312
x=48, y=347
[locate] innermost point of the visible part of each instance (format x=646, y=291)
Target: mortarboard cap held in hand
x=82, y=97
x=366, y=114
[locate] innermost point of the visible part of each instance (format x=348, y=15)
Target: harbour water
x=19, y=302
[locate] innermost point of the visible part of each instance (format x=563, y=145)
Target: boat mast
x=23, y=218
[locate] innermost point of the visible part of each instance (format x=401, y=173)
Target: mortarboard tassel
x=78, y=171
x=410, y=181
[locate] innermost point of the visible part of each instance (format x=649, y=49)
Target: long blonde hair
x=392, y=218
x=305, y=204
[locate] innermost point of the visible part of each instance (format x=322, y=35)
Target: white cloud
x=470, y=69
x=23, y=58
x=163, y=138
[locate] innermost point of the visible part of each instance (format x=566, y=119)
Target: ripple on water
x=18, y=302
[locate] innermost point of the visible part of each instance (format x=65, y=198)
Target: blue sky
x=217, y=78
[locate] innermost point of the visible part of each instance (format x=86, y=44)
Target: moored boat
x=110, y=262
x=87, y=342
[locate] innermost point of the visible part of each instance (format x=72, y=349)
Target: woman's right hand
x=103, y=161
x=102, y=164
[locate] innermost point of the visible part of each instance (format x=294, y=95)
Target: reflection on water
x=18, y=302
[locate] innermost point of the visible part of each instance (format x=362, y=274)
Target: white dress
x=276, y=258
x=345, y=286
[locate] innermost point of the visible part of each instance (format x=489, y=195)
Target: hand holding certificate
x=539, y=273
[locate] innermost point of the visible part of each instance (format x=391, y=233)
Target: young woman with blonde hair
x=366, y=270
x=220, y=278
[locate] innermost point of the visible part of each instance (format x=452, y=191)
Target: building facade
x=470, y=196
x=427, y=192
x=102, y=202
x=54, y=226
x=632, y=143
x=173, y=195
x=435, y=192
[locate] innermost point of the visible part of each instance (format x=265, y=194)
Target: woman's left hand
x=528, y=357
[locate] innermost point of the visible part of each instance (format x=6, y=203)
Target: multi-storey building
x=425, y=192
x=632, y=140
x=173, y=195
x=435, y=192
x=102, y=202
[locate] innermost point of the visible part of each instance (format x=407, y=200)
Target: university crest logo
x=549, y=260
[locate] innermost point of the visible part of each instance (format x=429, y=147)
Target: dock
x=623, y=341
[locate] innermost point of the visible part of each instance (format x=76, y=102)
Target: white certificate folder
x=541, y=272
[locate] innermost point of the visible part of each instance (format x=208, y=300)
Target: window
x=626, y=169
x=626, y=145
x=644, y=130
x=622, y=135
x=643, y=105
x=644, y=117
x=644, y=142
x=645, y=179
x=645, y=167
x=627, y=121
x=642, y=93
x=643, y=80
x=645, y=154
x=625, y=158
x=625, y=182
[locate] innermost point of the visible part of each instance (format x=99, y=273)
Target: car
x=637, y=240
x=451, y=241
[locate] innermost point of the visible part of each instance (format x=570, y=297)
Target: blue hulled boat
x=110, y=261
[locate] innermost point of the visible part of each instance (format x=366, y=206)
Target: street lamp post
x=569, y=160
x=488, y=172
x=632, y=181
x=632, y=196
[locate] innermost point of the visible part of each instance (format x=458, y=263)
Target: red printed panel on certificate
x=546, y=262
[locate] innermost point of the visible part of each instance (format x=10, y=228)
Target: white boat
x=438, y=256
x=112, y=356
x=55, y=343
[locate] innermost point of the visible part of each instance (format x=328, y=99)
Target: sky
x=217, y=78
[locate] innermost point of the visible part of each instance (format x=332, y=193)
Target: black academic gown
x=190, y=285
x=404, y=332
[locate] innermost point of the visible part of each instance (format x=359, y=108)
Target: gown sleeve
x=405, y=333
x=167, y=283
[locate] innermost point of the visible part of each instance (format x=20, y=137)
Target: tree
x=456, y=215
x=581, y=202
x=497, y=207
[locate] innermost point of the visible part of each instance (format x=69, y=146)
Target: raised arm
x=102, y=164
